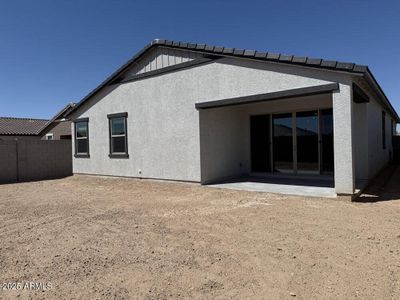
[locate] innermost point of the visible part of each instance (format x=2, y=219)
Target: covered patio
x=281, y=142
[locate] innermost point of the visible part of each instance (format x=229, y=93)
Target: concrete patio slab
x=287, y=186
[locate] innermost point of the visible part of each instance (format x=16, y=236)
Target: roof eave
x=372, y=81
x=114, y=75
x=334, y=66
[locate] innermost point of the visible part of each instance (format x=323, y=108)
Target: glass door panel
x=260, y=143
x=307, y=142
x=283, y=143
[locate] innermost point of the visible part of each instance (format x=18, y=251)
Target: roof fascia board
x=299, y=92
x=113, y=76
x=295, y=65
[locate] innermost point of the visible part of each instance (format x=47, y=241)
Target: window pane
x=307, y=141
x=117, y=126
x=283, y=143
x=82, y=146
x=118, y=144
x=81, y=129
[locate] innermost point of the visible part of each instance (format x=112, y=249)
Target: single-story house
x=37, y=129
x=202, y=113
x=59, y=127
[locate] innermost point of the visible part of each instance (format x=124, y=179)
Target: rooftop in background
x=21, y=126
x=29, y=126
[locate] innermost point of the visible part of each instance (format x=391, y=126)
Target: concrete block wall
x=34, y=160
x=8, y=161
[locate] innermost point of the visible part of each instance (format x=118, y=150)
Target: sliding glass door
x=307, y=140
x=283, y=143
x=260, y=143
x=299, y=143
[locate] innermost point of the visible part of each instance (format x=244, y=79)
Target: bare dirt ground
x=114, y=238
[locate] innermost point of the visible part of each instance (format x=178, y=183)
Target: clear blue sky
x=53, y=51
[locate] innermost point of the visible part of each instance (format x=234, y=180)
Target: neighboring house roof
x=29, y=126
x=21, y=126
x=248, y=54
x=59, y=116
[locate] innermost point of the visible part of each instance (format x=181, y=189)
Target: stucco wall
x=8, y=161
x=58, y=129
x=163, y=124
x=377, y=156
x=223, y=143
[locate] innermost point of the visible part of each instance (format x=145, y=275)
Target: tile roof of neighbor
x=242, y=53
x=21, y=126
x=29, y=126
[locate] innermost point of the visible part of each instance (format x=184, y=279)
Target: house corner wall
x=343, y=139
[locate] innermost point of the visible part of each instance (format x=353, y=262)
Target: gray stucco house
x=195, y=112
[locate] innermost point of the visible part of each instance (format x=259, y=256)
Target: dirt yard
x=113, y=238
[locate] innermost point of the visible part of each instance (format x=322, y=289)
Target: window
x=383, y=130
x=118, y=135
x=82, y=137
x=49, y=136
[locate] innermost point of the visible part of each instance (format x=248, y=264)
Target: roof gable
x=59, y=116
x=160, y=57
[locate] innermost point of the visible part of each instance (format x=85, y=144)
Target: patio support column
x=343, y=140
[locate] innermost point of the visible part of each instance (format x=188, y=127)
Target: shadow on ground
x=384, y=187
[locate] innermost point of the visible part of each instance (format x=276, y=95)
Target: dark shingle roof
x=21, y=126
x=249, y=54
